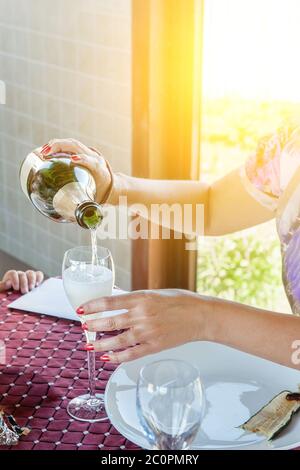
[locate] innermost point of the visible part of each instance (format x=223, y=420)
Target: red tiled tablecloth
x=45, y=367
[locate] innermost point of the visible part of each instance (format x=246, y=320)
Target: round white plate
x=236, y=386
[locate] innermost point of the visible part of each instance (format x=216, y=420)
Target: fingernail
x=89, y=347
x=46, y=149
x=31, y=286
x=84, y=326
x=105, y=358
x=75, y=158
x=8, y=284
x=80, y=311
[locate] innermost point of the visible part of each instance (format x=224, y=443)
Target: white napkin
x=50, y=299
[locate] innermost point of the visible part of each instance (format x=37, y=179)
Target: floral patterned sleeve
x=268, y=171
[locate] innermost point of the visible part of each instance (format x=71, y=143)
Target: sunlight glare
x=251, y=49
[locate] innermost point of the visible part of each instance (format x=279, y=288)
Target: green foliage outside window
x=244, y=268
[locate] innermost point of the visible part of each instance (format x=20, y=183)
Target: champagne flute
x=88, y=273
x=170, y=404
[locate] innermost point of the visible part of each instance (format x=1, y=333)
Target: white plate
x=236, y=386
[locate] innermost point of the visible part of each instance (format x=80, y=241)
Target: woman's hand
x=156, y=320
x=22, y=281
x=83, y=156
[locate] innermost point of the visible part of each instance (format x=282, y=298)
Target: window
x=250, y=85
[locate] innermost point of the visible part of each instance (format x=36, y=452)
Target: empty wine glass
x=88, y=273
x=170, y=403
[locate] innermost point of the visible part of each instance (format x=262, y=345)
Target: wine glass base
x=87, y=409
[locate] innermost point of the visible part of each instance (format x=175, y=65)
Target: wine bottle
x=60, y=189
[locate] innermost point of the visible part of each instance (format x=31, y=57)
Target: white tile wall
x=67, y=68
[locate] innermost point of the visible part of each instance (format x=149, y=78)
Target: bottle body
x=60, y=189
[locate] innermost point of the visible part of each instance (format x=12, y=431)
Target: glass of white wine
x=88, y=273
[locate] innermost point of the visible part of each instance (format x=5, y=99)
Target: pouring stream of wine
x=94, y=248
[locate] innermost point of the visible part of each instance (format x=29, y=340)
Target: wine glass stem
x=91, y=373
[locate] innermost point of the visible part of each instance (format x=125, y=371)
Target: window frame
x=167, y=56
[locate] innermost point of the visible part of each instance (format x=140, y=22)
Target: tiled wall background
x=67, y=67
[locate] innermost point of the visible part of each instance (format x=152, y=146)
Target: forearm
x=226, y=205
x=149, y=191
x=144, y=194
x=262, y=333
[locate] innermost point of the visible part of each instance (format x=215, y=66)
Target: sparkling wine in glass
x=88, y=273
x=170, y=404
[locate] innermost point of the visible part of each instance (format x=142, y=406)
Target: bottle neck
x=89, y=215
x=70, y=197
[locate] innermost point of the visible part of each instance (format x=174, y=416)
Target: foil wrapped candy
x=10, y=431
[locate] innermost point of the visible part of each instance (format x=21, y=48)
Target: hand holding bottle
x=85, y=157
x=67, y=182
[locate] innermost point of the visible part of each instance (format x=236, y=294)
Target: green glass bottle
x=61, y=190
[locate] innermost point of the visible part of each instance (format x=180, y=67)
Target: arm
x=227, y=205
x=269, y=335
x=158, y=320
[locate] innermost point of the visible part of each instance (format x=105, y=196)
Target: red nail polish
x=105, y=358
x=89, y=347
x=84, y=327
x=46, y=149
x=75, y=158
x=80, y=311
